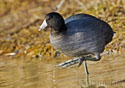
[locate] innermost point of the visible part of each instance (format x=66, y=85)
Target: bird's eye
x=50, y=18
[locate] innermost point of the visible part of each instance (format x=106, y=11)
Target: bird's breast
x=75, y=44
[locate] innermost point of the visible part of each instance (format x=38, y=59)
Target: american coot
x=78, y=35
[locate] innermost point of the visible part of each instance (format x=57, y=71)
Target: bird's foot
x=68, y=63
x=79, y=60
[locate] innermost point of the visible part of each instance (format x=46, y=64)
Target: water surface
x=20, y=73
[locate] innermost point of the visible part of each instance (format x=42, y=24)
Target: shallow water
x=37, y=74
x=22, y=74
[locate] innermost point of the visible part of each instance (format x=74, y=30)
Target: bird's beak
x=43, y=25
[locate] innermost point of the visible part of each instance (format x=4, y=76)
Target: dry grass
x=20, y=20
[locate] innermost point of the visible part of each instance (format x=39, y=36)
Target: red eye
x=49, y=18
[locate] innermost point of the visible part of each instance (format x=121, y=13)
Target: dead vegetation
x=20, y=21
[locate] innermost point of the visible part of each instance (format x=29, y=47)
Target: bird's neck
x=59, y=31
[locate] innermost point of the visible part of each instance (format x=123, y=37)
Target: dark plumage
x=78, y=35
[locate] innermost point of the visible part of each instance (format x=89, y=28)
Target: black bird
x=79, y=35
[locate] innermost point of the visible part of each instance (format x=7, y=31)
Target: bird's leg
x=80, y=60
x=68, y=63
x=86, y=68
x=86, y=72
x=97, y=58
x=83, y=59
